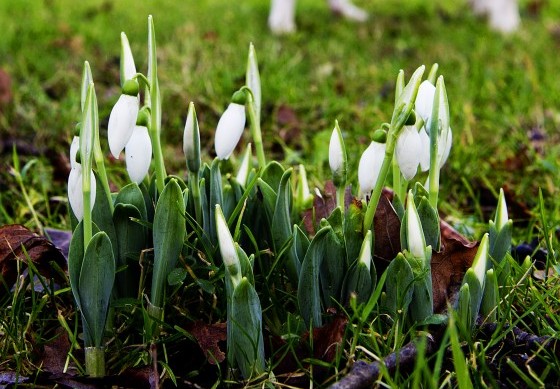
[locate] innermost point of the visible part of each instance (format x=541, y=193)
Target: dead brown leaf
x=17, y=243
x=450, y=265
x=5, y=88
x=208, y=337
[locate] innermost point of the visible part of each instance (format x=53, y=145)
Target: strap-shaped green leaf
x=353, y=234
x=102, y=215
x=500, y=242
x=131, y=240
x=320, y=276
x=475, y=294
x=169, y=232
x=399, y=285
x=430, y=223
x=132, y=194
x=490, y=297
x=246, y=330
x=282, y=226
x=272, y=174
x=269, y=198
x=97, y=277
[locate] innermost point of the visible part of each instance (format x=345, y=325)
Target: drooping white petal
x=121, y=123
x=229, y=130
x=370, y=166
x=75, y=195
x=414, y=232
x=409, y=147
x=425, y=151
x=138, y=152
x=425, y=102
x=74, y=147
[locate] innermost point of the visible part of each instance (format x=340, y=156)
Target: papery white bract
x=245, y=167
x=408, y=150
x=128, y=68
x=425, y=102
x=370, y=166
x=365, y=252
x=122, y=122
x=444, y=146
x=229, y=130
x=414, y=232
x=138, y=152
x=75, y=195
x=253, y=80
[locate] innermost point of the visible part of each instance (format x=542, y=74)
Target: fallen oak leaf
x=17, y=243
x=208, y=337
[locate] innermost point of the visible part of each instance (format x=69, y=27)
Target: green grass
x=500, y=89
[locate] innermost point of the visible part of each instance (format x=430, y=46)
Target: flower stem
x=100, y=165
x=376, y=193
x=255, y=127
x=195, y=188
x=86, y=192
x=95, y=361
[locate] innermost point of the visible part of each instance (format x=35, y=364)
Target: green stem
x=86, y=192
x=340, y=195
x=158, y=155
x=255, y=127
x=377, y=190
x=100, y=165
x=433, y=177
x=195, y=188
x=95, y=361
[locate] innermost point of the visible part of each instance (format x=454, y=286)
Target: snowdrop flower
x=245, y=166
x=230, y=126
x=370, y=166
x=414, y=232
x=123, y=118
x=337, y=157
x=227, y=247
x=425, y=102
x=408, y=150
x=138, y=152
x=191, y=140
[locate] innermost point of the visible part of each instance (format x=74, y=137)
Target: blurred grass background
x=504, y=91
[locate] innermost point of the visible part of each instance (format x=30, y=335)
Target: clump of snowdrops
x=240, y=236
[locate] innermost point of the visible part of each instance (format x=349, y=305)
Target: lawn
x=504, y=100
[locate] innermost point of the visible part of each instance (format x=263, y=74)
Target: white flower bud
x=414, y=232
x=425, y=102
x=365, y=252
x=122, y=122
x=191, y=140
x=138, y=154
x=370, y=166
x=227, y=247
x=337, y=157
x=229, y=130
x=408, y=151
x=75, y=195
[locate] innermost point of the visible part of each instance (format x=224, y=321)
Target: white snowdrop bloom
x=191, y=140
x=408, y=150
x=414, y=233
x=425, y=150
x=75, y=195
x=229, y=130
x=370, y=166
x=425, y=102
x=138, y=152
x=74, y=147
x=122, y=122
x=281, y=19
